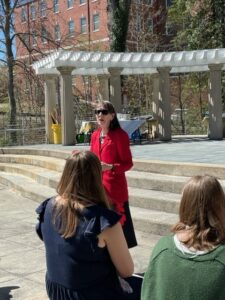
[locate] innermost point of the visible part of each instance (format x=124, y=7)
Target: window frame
x=23, y=15
x=57, y=32
x=33, y=11
x=82, y=2
x=43, y=8
x=69, y=27
x=70, y=4
x=150, y=26
x=44, y=35
x=81, y=25
x=55, y=6
x=34, y=38
x=94, y=22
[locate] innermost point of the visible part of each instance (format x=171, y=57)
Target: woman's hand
x=106, y=167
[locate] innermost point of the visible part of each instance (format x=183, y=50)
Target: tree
x=6, y=27
x=201, y=23
x=118, y=24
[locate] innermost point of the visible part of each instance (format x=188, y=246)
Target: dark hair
x=114, y=124
x=202, y=213
x=80, y=183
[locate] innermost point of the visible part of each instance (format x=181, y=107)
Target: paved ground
x=181, y=149
x=22, y=263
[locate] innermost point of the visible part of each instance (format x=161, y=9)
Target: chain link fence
x=28, y=130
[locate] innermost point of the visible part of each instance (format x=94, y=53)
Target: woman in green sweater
x=190, y=264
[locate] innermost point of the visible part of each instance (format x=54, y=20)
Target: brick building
x=47, y=25
x=44, y=26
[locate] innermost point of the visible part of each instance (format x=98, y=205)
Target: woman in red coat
x=112, y=146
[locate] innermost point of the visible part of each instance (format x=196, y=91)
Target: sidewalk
x=22, y=262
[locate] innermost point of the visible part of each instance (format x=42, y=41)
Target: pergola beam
x=66, y=64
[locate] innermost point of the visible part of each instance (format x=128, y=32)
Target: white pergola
x=110, y=65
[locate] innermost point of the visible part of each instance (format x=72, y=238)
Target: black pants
x=128, y=228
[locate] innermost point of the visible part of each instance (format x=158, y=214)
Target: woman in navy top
x=84, y=242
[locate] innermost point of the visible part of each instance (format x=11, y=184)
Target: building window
x=83, y=25
x=34, y=38
x=69, y=3
x=57, y=32
x=44, y=35
x=96, y=22
x=25, y=39
x=71, y=27
x=168, y=3
x=43, y=8
x=138, y=22
x=150, y=25
x=169, y=28
x=33, y=12
x=82, y=1
x=23, y=15
x=56, y=6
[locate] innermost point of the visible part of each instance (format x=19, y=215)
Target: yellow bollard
x=57, y=135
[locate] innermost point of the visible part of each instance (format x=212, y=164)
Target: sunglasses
x=103, y=111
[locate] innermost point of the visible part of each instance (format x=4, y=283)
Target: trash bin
x=57, y=135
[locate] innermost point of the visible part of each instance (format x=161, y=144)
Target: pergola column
x=67, y=111
x=50, y=104
x=155, y=103
x=103, y=87
x=164, y=109
x=115, y=88
x=215, y=102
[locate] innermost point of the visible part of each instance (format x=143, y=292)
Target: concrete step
x=164, y=201
x=34, y=151
x=43, y=176
x=179, y=168
x=152, y=221
x=154, y=200
x=146, y=220
x=158, y=182
x=27, y=187
x=50, y=163
x=152, y=166
x=141, y=254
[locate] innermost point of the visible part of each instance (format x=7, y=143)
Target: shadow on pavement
x=5, y=292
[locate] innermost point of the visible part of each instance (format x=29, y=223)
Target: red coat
x=114, y=150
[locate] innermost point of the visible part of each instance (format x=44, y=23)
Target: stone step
x=179, y=168
x=135, y=178
x=164, y=201
x=144, y=220
x=141, y=254
x=50, y=163
x=27, y=187
x=152, y=221
x=158, y=182
x=41, y=175
x=154, y=200
x=34, y=151
x=152, y=166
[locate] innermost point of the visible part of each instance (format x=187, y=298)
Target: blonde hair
x=80, y=184
x=202, y=213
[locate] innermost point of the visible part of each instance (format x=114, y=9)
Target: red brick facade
x=37, y=20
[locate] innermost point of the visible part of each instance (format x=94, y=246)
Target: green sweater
x=172, y=275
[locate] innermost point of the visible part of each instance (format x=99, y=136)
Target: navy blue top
x=77, y=267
